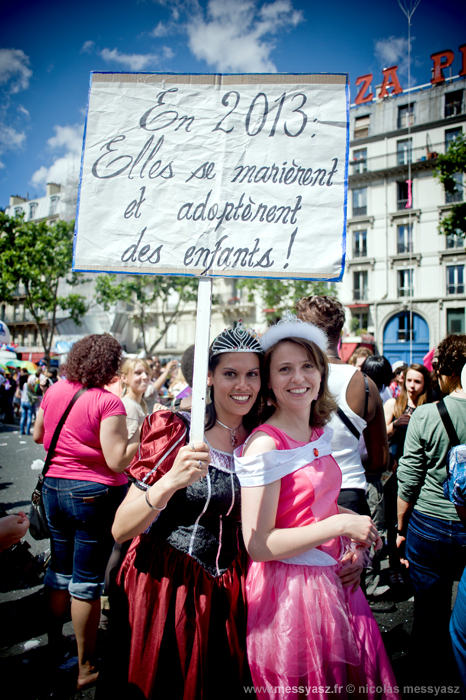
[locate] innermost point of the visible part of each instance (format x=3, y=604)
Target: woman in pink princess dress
x=306, y=631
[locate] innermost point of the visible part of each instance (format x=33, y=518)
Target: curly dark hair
x=93, y=361
x=323, y=407
x=450, y=357
x=326, y=312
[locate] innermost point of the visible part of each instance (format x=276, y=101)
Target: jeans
x=458, y=632
x=80, y=516
x=436, y=551
x=28, y=410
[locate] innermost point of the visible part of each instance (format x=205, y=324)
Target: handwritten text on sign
x=240, y=176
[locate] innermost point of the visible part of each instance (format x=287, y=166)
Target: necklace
x=233, y=438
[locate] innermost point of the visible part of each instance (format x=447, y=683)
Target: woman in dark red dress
x=183, y=576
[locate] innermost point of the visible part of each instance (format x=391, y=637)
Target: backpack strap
x=351, y=427
x=366, y=398
x=344, y=418
x=445, y=416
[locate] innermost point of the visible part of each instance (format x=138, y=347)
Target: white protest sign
x=217, y=175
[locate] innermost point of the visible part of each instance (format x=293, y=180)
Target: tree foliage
x=454, y=161
x=156, y=301
x=278, y=295
x=38, y=256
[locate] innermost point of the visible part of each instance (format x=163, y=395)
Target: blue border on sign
x=158, y=274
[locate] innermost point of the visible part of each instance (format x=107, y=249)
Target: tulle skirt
x=307, y=633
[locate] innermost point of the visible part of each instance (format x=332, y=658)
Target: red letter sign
x=366, y=80
x=390, y=80
x=439, y=64
x=462, y=72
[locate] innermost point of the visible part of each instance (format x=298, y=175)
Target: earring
x=208, y=396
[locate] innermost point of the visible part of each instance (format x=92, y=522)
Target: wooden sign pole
x=201, y=358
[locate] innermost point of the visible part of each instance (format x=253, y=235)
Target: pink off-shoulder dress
x=306, y=632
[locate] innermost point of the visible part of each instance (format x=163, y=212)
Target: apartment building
x=404, y=282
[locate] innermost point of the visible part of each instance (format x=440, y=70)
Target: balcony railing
x=392, y=160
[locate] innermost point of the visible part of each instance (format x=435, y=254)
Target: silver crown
x=239, y=339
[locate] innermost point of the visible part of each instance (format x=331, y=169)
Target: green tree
x=453, y=162
x=37, y=257
x=278, y=295
x=156, y=300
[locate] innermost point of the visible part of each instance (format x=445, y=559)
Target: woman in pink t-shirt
x=83, y=488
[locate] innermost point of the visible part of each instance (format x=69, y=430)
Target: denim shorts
x=80, y=516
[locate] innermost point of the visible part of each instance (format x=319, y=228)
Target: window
x=455, y=321
x=32, y=210
x=405, y=283
x=360, y=161
x=455, y=240
x=18, y=211
x=171, y=339
x=455, y=279
x=359, y=322
x=451, y=135
x=405, y=116
x=360, y=244
x=457, y=195
x=405, y=328
x=172, y=301
x=53, y=206
x=405, y=239
x=453, y=103
x=360, y=290
x=16, y=312
x=361, y=127
x=3, y=312
x=360, y=202
x=402, y=195
x=403, y=151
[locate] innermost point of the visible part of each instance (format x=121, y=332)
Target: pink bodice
x=309, y=494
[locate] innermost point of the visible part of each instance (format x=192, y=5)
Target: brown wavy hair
x=450, y=359
x=93, y=361
x=426, y=396
x=326, y=312
x=323, y=407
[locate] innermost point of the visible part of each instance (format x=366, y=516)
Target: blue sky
x=49, y=47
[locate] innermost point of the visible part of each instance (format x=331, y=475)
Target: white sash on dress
x=260, y=470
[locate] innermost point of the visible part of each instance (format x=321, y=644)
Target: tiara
x=238, y=339
x=290, y=326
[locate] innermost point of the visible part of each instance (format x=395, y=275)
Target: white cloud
x=239, y=36
x=160, y=30
x=394, y=52
x=134, y=62
x=14, y=69
x=23, y=110
x=68, y=139
x=87, y=47
x=10, y=138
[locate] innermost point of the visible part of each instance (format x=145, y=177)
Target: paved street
x=23, y=650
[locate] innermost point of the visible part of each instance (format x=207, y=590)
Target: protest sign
x=214, y=175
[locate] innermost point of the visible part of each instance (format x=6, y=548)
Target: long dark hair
x=251, y=419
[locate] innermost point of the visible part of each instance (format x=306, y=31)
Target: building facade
x=231, y=303
x=404, y=281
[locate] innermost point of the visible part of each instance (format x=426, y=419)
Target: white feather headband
x=291, y=327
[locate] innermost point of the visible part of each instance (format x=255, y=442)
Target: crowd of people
x=256, y=551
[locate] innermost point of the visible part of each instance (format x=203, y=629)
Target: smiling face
x=414, y=384
x=236, y=383
x=137, y=380
x=294, y=379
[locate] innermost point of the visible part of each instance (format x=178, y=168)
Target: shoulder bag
x=37, y=520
